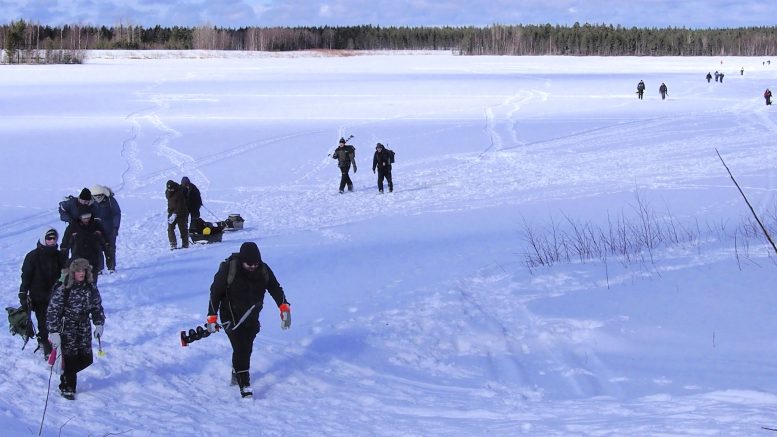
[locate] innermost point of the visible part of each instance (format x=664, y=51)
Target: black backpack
x=391, y=155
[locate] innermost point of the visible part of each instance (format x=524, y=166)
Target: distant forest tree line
x=26, y=42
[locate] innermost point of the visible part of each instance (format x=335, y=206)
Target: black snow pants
x=345, y=179
x=385, y=172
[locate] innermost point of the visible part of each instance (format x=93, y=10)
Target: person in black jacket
x=177, y=215
x=193, y=198
x=382, y=161
x=345, y=156
x=85, y=239
x=237, y=294
x=41, y=268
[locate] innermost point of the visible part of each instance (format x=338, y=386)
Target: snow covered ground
x=414, y=313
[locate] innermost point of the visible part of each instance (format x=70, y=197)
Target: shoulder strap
x=232, y=272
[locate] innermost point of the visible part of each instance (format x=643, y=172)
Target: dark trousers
x=385, y=172
x=663, y=96
x=71, y=365
x=109, y=261
x=242, y=340
x=39, y=305
x=183, y=229
x=768, y=100
x=639, y=94
x=193, y=214
x=345, y=179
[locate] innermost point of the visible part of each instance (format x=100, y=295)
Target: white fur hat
x=100, y=189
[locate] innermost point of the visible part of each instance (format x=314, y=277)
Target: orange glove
x=285, y=316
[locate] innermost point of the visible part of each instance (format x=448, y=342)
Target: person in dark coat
x=85, y=239
x=69, y=208
x=237, y=295
x=345, y=156
x=709, y=77
x=41, y=269
x=108, y=212
x=663, y=90
x=640, y=89
x=768, y=96
x=382, y=161
x=193, y=198
x=721, y=77
x=177, y=215
x=67, y=319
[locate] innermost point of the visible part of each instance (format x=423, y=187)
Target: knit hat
x=185, y=180
x=342, y=140
x=249, y=253
x=85, y=194
x=379, y=146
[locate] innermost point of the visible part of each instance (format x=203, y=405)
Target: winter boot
x=244, y=381
x=350, y=187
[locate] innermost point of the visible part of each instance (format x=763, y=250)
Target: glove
x=354, y=168
x=23, y=301
x=285, y=316
x=211, y=323
x=171, y=218
x=55, y=340
x=98, y=331
x=373, y=170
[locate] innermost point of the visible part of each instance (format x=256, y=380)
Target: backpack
x=63, y=210
x=19, y=322
x=391, y=156
x=351, y=150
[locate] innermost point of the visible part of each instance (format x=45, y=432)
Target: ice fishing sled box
x=206, y=238
x=234, y=222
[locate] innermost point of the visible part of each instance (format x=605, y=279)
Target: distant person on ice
x=177, y=215
x=663, y=91
x=717, y=76
x=768, y=96
x=721, y=77
x=709, y=77
x=237, y=294
x=193, y=198
x=67, y=320
x=382, y=161
x=345, y=156
x=41, y=269
x=640, y=89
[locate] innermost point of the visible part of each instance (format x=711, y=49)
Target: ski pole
x=52, y=361
x=100, y=351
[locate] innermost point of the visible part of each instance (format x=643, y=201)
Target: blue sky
x=234, y=13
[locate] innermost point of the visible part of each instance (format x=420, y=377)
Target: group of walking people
x=662, y=90
x=382, y=161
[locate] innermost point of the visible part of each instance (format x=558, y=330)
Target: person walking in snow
x=67, y=319
x=663, y=91
x=709, y=77
x=85, y=239
x=382, y=161
x=193, y=198
x=768, y=96
x=345, y=156
x=721, y=77
x=640, y=89
x=69, y=208
x=177, y=215
x=717, y=75
x=108, y=212
x=237, y=295
x=41, y=269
